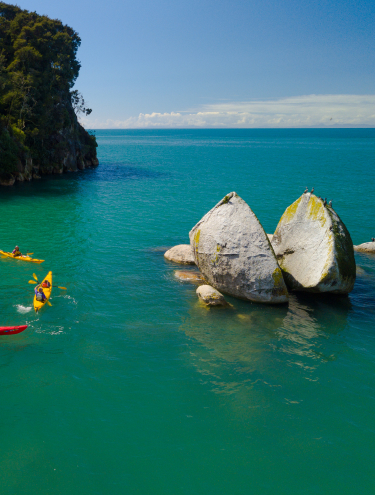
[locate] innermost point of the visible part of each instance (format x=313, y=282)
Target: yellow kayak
x=47, y=292
x=22, y=258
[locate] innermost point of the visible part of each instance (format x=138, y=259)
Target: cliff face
x=69, y=150
x=39, y=130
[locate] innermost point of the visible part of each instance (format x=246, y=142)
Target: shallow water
x=126, y=384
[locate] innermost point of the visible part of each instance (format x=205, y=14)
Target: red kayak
x=12, y=330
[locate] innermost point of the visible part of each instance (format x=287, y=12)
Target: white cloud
x=297, y=111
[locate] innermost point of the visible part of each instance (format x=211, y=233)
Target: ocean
x=126, y=385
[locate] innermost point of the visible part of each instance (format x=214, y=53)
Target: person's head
x=40, y=289
x=16, y=247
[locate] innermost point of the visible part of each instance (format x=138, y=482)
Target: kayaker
x=16, y=251
x=46, y=284
x=40, y=295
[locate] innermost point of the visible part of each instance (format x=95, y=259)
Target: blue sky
x=223, y=63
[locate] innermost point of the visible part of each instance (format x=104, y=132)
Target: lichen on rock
x=233, y=253
x=314, y=248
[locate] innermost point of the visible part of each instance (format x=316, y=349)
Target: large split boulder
x=314, y=248
x=234, y=255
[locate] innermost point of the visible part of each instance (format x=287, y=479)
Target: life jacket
x=39, y=296
x=16, y=253
x=46, y=284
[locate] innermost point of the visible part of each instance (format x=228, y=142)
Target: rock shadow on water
x=68, y=183
x=49, y=186
x=363, y=294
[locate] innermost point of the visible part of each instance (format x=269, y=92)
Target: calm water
x=126, y=385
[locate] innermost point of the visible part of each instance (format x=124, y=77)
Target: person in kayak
x=40, y=295
x=46, y=284
x=16, y=251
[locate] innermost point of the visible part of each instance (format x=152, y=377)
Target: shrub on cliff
x=38, y=68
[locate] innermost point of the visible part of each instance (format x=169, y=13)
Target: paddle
x=63, y=288
x=49, y=304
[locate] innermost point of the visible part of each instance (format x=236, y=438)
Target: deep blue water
x=126, y=384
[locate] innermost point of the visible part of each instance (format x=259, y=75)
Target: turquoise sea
x=126, y=385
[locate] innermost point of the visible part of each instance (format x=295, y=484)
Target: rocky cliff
x=39, y=128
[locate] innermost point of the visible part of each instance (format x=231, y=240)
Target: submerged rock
x=210, y=296
x=183, y=253
x=314, y=248
x=189, y=276
x=234, y=254
x=366, y=247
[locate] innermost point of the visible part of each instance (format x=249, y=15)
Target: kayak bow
x=12, y=330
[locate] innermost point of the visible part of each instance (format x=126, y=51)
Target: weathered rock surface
x=366, y=247
x=189, y=276
x=270, y=237
x=314, y=248
x=183, y=253
x=234, y=254
x=210, y=296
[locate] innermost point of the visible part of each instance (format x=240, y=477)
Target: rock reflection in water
x=310, y=321
x=249, y=347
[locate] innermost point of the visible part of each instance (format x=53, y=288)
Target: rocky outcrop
x=7, y=181
x=182, y=253
x=366, y=247
x=70, y=150
x=234, y=254
x=189, y=276
x=314, y=248
x=210, y=296
x=39, y=129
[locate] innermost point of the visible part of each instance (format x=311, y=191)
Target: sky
x=223, y=63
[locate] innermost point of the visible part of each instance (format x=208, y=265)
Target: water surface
x=128, y=385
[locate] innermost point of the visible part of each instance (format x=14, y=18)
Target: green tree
x=38, y=68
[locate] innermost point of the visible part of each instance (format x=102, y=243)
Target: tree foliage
x=38, y=68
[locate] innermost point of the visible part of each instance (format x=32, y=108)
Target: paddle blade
x=32, y=282
x=49, y=304
x=63, y=288
x=29, y=254
x=35, y=277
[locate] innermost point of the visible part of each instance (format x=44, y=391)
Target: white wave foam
x=70, y=298
x=23, y=309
